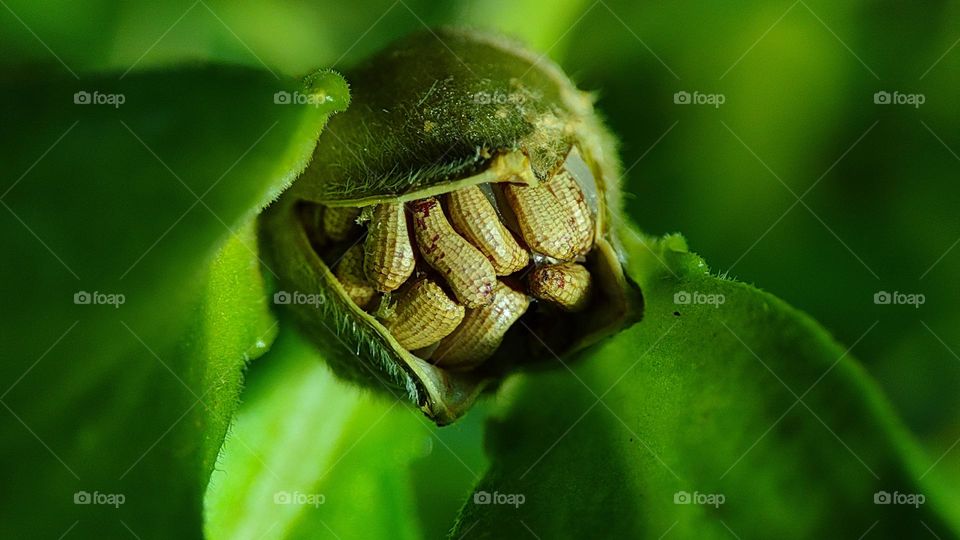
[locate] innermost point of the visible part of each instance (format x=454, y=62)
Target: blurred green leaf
x=747, y=400
x=311, y=456
x=149, y=200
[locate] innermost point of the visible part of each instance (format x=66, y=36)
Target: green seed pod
x=432, y=114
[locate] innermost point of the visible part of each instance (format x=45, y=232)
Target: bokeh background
x=800, y=182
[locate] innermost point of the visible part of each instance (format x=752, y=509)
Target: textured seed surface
x=388, y=253
x=477, y=220
x=424, y=315
x=339, y=221
x=463, y=266
x=565, y=188
x=349, y=272
x=567, y=285
x=312, y=217
x=482, y=330
x=543, y=221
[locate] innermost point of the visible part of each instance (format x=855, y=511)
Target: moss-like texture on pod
x=435, y=107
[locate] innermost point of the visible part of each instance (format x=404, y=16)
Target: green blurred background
x=880, y=183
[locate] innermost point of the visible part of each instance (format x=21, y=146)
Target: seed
x=477, y=220
x=338, y=221
x=566, y=286
x=482, y=330
x=312, y=217
x=424, y=315
x=466, y=270
x=388, y=254
x=542, y=220
x=349, y=273
x=565, y=188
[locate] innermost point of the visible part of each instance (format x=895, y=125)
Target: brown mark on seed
x=567, y=286
x=469, y=274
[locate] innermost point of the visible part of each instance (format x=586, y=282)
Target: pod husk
x=436, y=111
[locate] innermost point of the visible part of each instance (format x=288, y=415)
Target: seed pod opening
x=502, y=171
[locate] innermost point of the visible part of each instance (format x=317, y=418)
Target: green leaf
x=311, y=455
x=151, y=199
x=747, y=403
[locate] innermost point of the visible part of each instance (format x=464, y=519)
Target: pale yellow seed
x=424, y=315
x=469, y=274
x=566, y=286
x=482, y=330
x=565, y=188
x=542, y=219
x=477, y=220
x=339, y=222
x=349, y=272
x=388, y=253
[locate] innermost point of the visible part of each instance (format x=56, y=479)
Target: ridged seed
x=339, y=221
x=469, y=274
x=542, y=220
x=482, y=330
x=477, y=220
x=349, y=272
x=388, y=253
x=424, y=315
x=566, y=286
x=311, y=215
x=565, y=188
